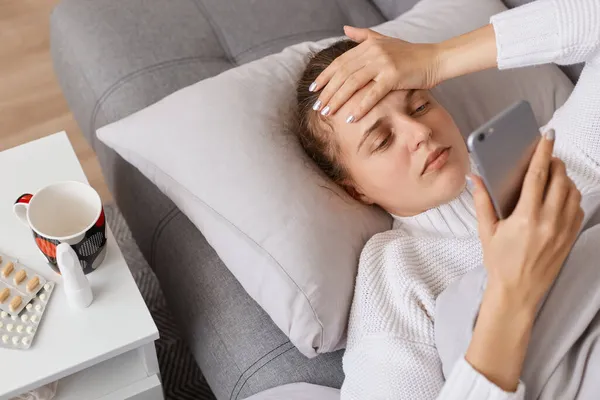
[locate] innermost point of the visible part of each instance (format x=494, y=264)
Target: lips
x=433, y=157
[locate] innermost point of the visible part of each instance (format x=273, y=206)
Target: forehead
x=396, y=97
x=350, y=134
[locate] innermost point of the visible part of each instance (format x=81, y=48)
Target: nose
x=417, y=134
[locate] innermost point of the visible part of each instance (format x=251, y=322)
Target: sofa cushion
x=298, y=391
x=223, y=150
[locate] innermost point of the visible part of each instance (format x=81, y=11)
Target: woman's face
x=406, y=155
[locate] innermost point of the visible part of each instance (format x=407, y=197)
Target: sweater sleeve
x=386, y=367
x=391, y=351
x=563, y=32
x=466, y=383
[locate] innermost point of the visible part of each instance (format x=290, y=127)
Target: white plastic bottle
x=76, y=285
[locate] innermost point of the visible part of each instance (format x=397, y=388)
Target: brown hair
x=314, y=132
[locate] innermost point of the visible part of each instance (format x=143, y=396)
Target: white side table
x=103, y=352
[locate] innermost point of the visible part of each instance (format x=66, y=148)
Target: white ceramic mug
x=66, y=212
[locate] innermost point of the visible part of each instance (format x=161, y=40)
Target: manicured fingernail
x=312, y=87
x=325, y=111
x=317, y=105
x=550, y=134
x=350, y=119
x=470, y=183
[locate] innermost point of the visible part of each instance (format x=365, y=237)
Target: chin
x=451, y=181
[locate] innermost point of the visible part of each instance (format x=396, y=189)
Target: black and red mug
x=66, y=212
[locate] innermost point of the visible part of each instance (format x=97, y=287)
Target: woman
x=388, y=144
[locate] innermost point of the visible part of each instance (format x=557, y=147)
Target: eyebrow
x=409, y=95
x=368, y=132
x=379, y=121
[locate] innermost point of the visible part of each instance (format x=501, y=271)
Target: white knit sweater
x=391, y=350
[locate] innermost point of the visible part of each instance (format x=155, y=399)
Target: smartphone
x=502, y=150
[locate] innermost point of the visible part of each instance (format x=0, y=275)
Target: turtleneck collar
x=454, y=219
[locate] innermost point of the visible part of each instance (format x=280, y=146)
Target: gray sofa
x=114, y=57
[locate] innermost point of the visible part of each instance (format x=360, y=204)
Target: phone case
x=502, y=149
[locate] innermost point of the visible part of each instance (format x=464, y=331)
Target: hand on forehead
x=341, y=114
x=401, y=98
x=349, y=134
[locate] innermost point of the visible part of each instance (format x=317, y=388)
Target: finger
x=354, y=83
x=360, y=34
x=337, y=81
x=328, y=73
x=536, y=177
x=572, y=230
x=578, y=222
x=559, y=186
x=572, y=209
x=377, y=92
x=486, y=215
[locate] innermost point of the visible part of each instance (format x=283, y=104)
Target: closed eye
x=421, y=109
x=385, y=143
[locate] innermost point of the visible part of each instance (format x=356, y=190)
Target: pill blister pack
x=18, y=284
x=18, y=331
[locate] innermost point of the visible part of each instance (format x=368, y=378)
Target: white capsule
x=5, y=338
x=25, y=341
x=3, y=314
x=13, y=317
x=10, y=327
x=16, y=339
x=34, y=318
x=29, y=307
x=20, y=328
x=30, y=330
x=42, y=297
x=38, y=307
x=24, y=317
x=47, y=287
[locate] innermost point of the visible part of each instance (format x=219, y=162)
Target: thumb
x=486, y=215
x=360, y=34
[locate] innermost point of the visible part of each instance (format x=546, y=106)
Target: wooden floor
x=31, y=102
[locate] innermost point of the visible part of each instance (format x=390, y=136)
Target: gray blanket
x=563, y=358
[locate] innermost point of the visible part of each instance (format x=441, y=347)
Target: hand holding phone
x=525, y=252
x=522, y=254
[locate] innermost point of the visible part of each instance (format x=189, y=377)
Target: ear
x=357, y=194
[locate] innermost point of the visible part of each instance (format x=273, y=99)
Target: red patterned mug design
x=90, y=246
